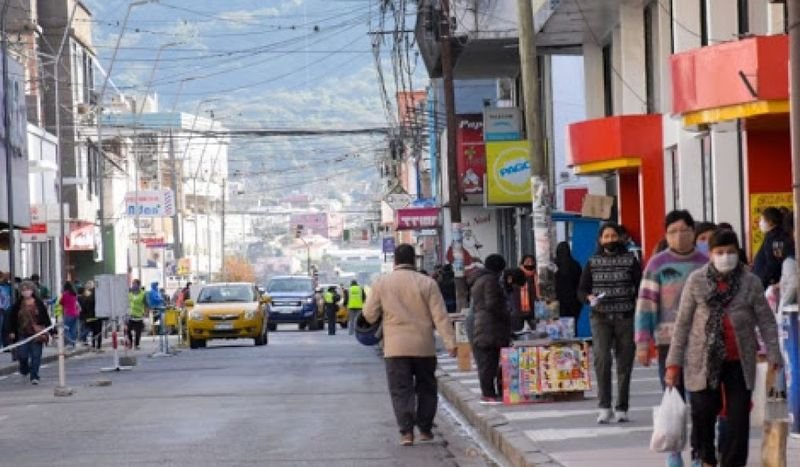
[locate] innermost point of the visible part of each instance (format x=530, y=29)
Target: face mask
x=702, y=247
x=611, y=246
x=763, y=226
x=528, y=267
x=725, y=263
x=134, y=288
x=27, y=293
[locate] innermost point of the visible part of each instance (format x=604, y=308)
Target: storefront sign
x=81, y=237
x=508, y=173
x=150, y=203
x=759, y=202
x=417, y=218
x=502, y=124
x=37, y=232
x=471, y=153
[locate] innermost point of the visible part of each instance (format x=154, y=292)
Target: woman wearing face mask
x=702, y=234
x=610, y=284
x=715, y=343
x=27, y=317
x=776, y=247
x=529, y=292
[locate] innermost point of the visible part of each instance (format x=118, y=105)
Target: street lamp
x=298, y=234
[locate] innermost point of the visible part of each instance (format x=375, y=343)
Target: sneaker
x=407, y=439
x=621, y=416
x=426, y=436
x=605, y=416
x=490, y=401
x=35, y=381
x=674, y=459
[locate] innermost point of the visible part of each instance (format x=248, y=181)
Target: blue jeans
x=2, y=323
x=70, y=329
x=30, y=357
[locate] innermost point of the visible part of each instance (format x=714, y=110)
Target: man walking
x=331, y=301
x=410, y=306
x=660, y=295
x=355, y=302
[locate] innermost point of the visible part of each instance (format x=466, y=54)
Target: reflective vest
x=137, y=304
x=328, y=297
x=356, y=297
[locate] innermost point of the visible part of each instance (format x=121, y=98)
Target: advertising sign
x=471, y=153
x=759, y=202
x=150, y=203
x=502, y=124
x=417, y=218
x=38, y=230
x=508, y=172
x=80, y=237
x=388, y=244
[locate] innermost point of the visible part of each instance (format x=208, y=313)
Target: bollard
x=61, y=390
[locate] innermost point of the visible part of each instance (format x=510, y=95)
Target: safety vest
x=356, y=298
x=136, y=301
x=328, y=297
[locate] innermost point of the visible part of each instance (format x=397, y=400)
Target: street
x=306, y=399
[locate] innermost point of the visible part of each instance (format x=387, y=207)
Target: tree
x=238, y=269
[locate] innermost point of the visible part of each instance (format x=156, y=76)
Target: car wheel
x=301, y=326
x=272, y=326
x=196, y=343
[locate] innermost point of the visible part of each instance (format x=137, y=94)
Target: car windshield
x=293, y=284
x=226, y=293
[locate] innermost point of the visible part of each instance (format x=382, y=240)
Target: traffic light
x=298, y=231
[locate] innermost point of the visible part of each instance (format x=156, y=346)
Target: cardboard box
x=597, y=206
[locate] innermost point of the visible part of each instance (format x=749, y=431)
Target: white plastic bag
x=759, y=397
x=670, y=430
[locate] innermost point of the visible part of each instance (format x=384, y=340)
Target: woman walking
x=715, y=344
x=27, y=318
x=610, y=285
x=71, y=309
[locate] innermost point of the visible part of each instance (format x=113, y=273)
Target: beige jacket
x=411, y=305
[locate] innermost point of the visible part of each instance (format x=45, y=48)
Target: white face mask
x=27, y=293
x=726, y=263
x=763, y=226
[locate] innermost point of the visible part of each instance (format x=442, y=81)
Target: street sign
x=398, y=200
x=388, y=244
x=150, y=203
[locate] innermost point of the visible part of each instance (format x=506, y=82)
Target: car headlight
x=250, y=314
x=196, y=315
x=310, y=300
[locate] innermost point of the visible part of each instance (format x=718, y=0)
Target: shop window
x=674, y=162
x=649, y=55
x=707, y=162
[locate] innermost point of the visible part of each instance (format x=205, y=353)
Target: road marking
x=44, y=366
x=561, y=434
x=3, y=377
x=533, y=415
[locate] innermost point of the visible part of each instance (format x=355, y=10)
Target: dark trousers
x=412, y=385
x=613, y=332
x=706, y=406
x=30, y=358
x=330, y=315
x=135, y=328
x=489, y=374
x=96, y=328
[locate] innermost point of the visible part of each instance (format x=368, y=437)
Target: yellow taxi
x=227, y=311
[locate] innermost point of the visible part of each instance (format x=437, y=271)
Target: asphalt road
x=306, y=399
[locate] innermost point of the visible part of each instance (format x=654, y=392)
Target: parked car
x=292, y=300
x=341, y=312
x=227, y=311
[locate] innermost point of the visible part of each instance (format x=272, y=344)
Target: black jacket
x=492, y=318
x=12, y=323
x=777, y=246
x=568, y=278
x=87, y=307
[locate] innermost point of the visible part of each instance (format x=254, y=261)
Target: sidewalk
x=49, y=355
x=565, y=433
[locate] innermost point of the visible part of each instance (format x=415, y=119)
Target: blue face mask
x=702, y=247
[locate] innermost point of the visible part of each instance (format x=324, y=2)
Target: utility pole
x=793, y=17
x=177, y=244
x=9, y=156
x=542, y=223
x=454, y=192
x=222, y=228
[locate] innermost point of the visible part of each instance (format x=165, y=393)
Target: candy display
x=564, y=368
x=530, y=371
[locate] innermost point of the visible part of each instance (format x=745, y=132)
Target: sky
x=266, y=64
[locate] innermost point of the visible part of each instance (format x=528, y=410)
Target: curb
x=513, y=444
x=13, y=367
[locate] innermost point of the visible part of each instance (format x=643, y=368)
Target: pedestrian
x=512, y=280
x=88, y=311
x=41, y=290
x=568, y=278
x=137, y=308
x=6, y=301
x=788, y=296
x=410, y=306
x=447, y=285
x=331, y=299
x=715, y=344
x=83, y=325
x=492, y=328
x=183, y=294
x=27, y=318
x=776, y=247
x=660, y=293
x=702, y=234
x=610, y=284
x=355, y=302
x=154, y=302
x=529, y=293
x=71, y=312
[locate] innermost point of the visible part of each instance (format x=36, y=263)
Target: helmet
x=366, y=333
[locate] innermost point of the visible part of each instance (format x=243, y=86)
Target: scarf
x=524, y=291
x=722, y=291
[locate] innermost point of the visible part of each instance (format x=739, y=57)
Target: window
x=650, y=54
x=608, y=80
x=703, y=23
x=744, y=16
x=707, y=162
x=674, y=161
